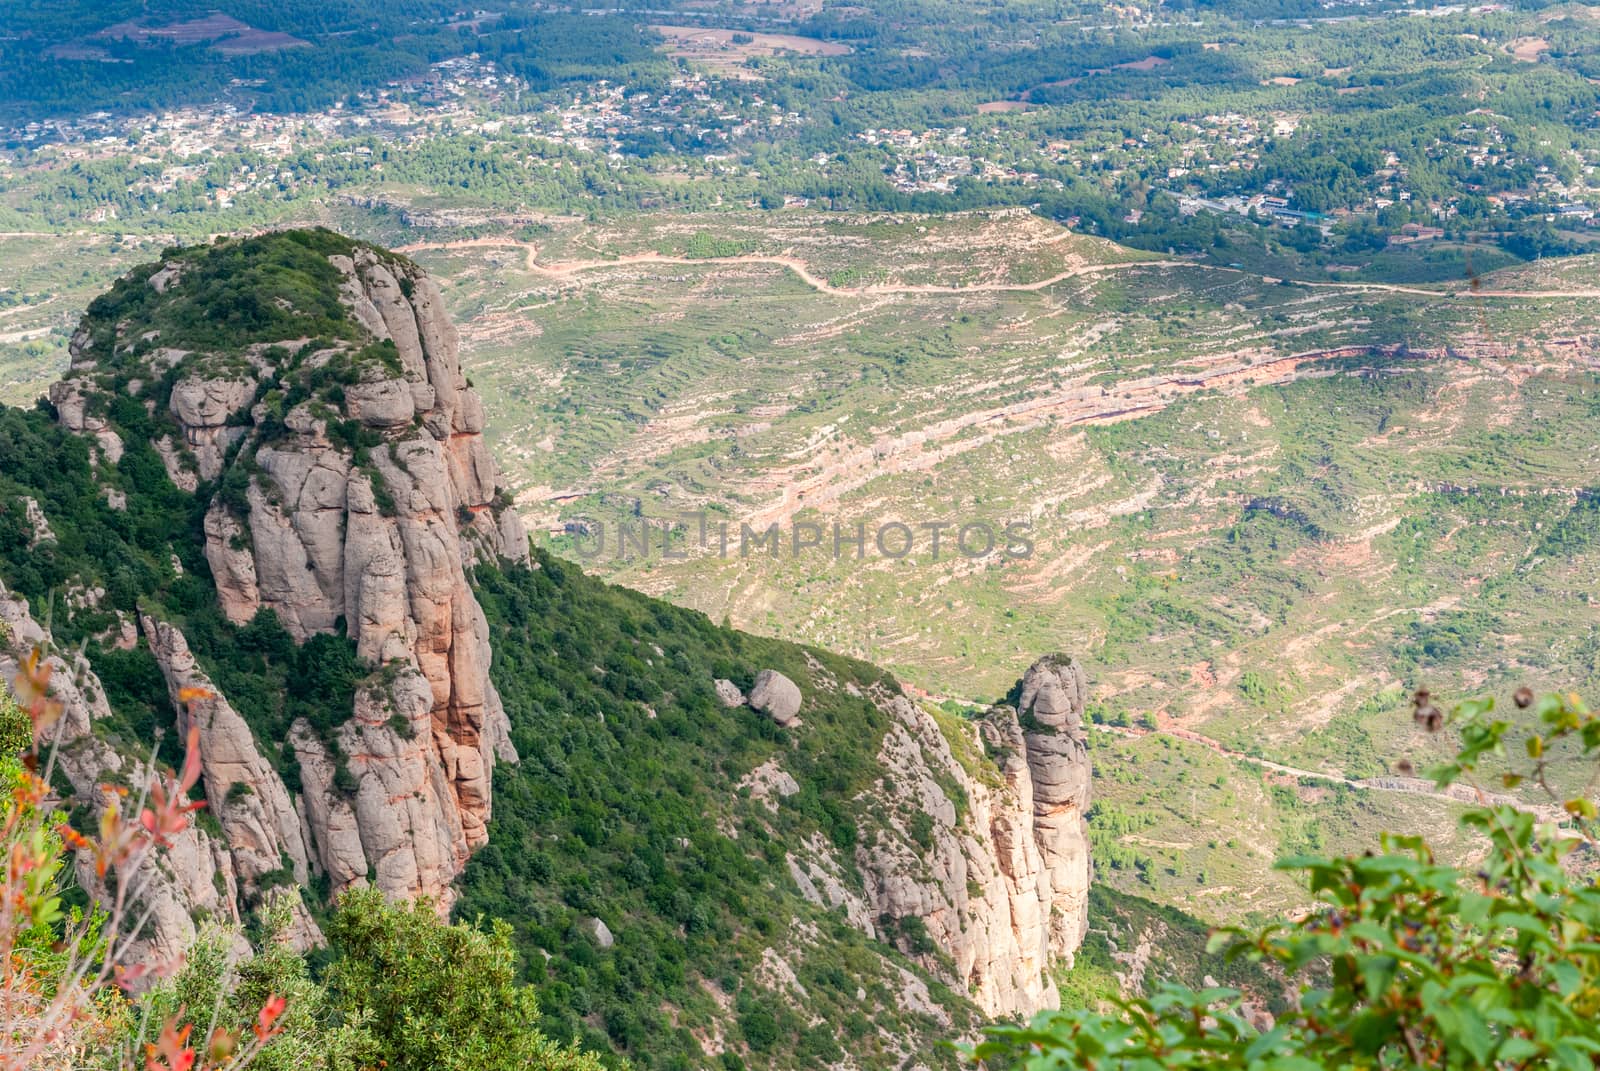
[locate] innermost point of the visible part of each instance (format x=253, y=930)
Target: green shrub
x=434, y=996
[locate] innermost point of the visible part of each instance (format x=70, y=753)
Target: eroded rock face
x=1050, y=709
x=368, y=531
x=262, y=828
x=998, y=877
x=384, y=547
x=204, y=408
x=413, y=823
x=192, y=877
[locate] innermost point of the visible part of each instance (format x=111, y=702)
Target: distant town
x=715, y=122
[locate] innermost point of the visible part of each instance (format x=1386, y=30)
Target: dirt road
x=569, y=268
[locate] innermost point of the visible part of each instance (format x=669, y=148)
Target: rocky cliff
x=199, y=877
x=339, y=451
x=984, y=845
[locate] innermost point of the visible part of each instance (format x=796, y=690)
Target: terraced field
x=1263, y=510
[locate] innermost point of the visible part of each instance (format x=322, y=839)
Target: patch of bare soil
x=222, y=32
x=1528, y=49
x=820, y=480
x=695, y=42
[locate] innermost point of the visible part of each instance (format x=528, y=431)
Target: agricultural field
x=1264, y=512
x=48, y=281
x=1261, y=510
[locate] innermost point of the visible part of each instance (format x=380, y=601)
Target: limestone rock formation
x=42, y=532
x=602, y=932
x=204, y=408
x=776, y=696
x=1050, y=710
x=261, y=827
x=350, y=491
x=769, y=783
x=1000, y=881
x=728, y=693
x=196, y=875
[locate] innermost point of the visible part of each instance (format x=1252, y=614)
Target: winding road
x=569, y=268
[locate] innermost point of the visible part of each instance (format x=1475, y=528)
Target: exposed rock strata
x=1000, y=882
x=374, y=541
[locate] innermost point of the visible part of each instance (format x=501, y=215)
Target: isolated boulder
x=777, y=697
x=602, y=932
x=728, y=693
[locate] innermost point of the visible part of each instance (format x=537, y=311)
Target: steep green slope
x=625, y=808
x=1134, y=944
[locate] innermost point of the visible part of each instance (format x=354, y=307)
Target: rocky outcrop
x=205, y=409
x=195, y=876
x=70, y=397
x=261, y=827
x=769, y=783
x=42, y=532
x=602, y=932
x=1050, y=709
x=777, y=697
x=383, y=546
x=998, y=873
x=401, y=825
x=728, y=693
x=351, y=491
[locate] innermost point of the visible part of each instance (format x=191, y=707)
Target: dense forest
x=345, y=48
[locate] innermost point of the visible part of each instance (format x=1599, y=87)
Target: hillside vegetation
x=1267, y=509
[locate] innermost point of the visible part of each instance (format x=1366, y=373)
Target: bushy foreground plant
x=436, y=997
x=1408, y=962
x=63, y=975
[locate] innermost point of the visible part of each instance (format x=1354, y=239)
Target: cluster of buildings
x=1198, y=161
x=696, y=109
x=715, y=118
x=934, y=161
x=698, y=114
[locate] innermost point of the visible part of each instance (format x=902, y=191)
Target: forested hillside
x=285, y=57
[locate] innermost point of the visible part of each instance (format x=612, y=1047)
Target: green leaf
x=1514, y=1049
x=1377, y=973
